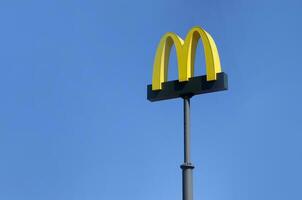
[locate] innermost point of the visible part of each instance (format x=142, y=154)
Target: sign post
x=187, y=167
x=187, y=85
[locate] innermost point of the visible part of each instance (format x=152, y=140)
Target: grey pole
x=187, y=167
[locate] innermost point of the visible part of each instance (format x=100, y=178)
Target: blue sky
x=75, y=123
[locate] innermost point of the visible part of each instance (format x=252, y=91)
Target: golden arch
x=185, y=52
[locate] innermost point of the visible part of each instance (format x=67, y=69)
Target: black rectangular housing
x=195, y=85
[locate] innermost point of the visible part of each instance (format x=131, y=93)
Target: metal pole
x=187, y=167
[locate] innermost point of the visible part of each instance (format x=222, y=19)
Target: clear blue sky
x=75, y=123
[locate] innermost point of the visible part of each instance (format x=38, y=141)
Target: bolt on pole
x=187, y=167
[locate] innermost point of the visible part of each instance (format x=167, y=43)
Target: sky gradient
x=75, y=123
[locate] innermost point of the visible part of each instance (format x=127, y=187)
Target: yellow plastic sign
x=185, y=52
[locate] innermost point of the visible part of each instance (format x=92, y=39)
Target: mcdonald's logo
x=187, y=84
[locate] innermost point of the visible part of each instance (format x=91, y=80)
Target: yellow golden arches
x=185, y=52
x=161, y=61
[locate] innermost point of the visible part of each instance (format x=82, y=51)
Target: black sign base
x=195, y=85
